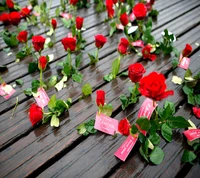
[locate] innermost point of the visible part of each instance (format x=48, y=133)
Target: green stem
x=14, y=109
x=140, y=25
x=54, y=36
x=41, y=78
x=70, y=60
x=1, y=80
x=97, y=55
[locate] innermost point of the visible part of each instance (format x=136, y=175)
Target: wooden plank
x=194, y=172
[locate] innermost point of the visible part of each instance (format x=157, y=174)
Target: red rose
x=100, y=40
x=196, y=112
x=135, y=72
x=54, y=23
x=42, y=62
x=152, y=2
x=146, y=53
x=15, y=18
x=10, y=4
x=153, y=86
x=124, y=19
x=22, y=36
x=4, y=17
x=124, y=127
x=114, y=1
x=79, y=22
x=109, y=8
x=25, y=12
x=187, y=50
x=35, y=114
x=140, y=11
x=100, y=98
x=73, y=2
x=38, y=43
x=123, y=45
x=69, y=43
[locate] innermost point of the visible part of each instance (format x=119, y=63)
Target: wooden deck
x=43, y=151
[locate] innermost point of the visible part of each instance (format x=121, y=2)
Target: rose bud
x=42, y=62
x=79, y=22
x=153, y=86
x=196, y=112
x=100, y=97
x=10, y=4
x=25, y=12
x=109, y=8
x=140, y=11
x=4, y=17
x=100, y=40
x=22, y=36
x=69, y=43
x=135, y=72
x=124, y=19
x=54, y=23
x=124, y=127
x=38, y=43
x=146, y=53
x=114, y=1
x=15, y=18
x=35, y=114
x=73, y=2
x=187, y=50
x=123, y=46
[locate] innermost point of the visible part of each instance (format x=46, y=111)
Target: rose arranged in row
x=79, y=22
x=153, y=86
x=54, y=23
x=4, y=17
x=38, y=43
x=124, y=19
x=42, y=62
x=73, y=2
x=124, y=127
x=140, y=11
x=10, y=4
x=100, y=97
x=123, y=46
x=135, y=72
x=187, y=50
x=196, y=112
x=22, y=36
x=100, y=40
x=25, y=12
x=109, y=8
x=15, y=18
x=35, y=114
x=69, y=43
x=146, y=53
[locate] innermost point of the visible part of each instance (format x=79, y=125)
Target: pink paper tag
x=120, y=26
x=30, y=7
x=185, y=62
x=124, y=150
x=192, y=134
x=138, y=43
x=41, y=98
x=106, y=124
x=146, y=110
x=132, y=17
x=6, y=91
x=66, y=15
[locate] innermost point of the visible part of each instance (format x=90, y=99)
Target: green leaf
x=178, y=122
x=52, y=81
x=32, y=67
x=87, y=89
x=77, y=77
x=35, y=85
x=93, y=60
x=187, y=90
x=22, y=26
x=188, y=156
x=134, y=129
x=67, y=23
x=171, y=105
x=78, y=60
x=9, y=38
x=19, y=82
x=57, y=12
x=143, y=154
x=155, y=138
x=52, y=102
x=157, y=155
x=54, y=121
x=191, y=99
x=166, y=132
x=197, y=99
x=6, y=49
x=81, y=129
x=113, y=28
x=60, y=85
x=21, y=55
x=188, y=73
x=106, y=109
x=125, y=101
x=108, y=77
x=144, y=123
x=142, y=138
x=124, y=74
x=115, y=67
x=149, y=23
x=89, y=125
x=28, y=92
x=61, y=106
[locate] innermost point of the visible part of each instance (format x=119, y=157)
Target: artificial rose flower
x=114, y=1
x=38, y=43
x=35, y=114
x=124, y=19
x=123, y=46
x=54, y=23
x=140, y=11
x=109, y=8
x=100, y=97
x=22, y=36
x=135, y=72
x=146, y=53
x=25, y=12
x=124, y=127
x=15, y=18
x=69, y=43
x=4, y=17
x=187, y=50
x=79, y=22
x=196, y=112
x=100, y=40
x=73, y=2
x=10, y=4
x=153, y=86
x=42, y=62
